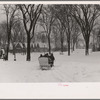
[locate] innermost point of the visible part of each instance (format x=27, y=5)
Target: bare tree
x=30, y=13
x=63, y=14
x=59, y=28
x=85, y=15
x=47, y=22
x=56, y=36
x=10, y=11
x=75, y=34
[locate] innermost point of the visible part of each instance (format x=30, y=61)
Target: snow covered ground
x=74, y=68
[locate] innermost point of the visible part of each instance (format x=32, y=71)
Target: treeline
x=58, y=22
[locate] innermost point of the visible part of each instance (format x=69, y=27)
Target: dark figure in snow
x=41, y=55
x=46, y=55
x=52, y=58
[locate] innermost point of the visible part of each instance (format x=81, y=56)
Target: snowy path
x=76, y=68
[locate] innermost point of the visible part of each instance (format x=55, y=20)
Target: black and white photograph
x=49, y=50
x=49, y=43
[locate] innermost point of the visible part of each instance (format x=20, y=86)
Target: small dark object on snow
x=41, y=55
x=14, y=57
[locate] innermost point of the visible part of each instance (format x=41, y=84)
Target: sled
x=45, y=63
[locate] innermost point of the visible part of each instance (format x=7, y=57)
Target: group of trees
x=59, y=20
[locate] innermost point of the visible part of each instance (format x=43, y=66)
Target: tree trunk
x=68, y=47
x=14, y=52
x=13, y=49
x=7, y=51
x=93, y=45
x=77, y=44
x=28, y=48
x=55, y=38
x=87, y=46
x=49, y=44
x=73, y=47
x=8, y=40
x=68, y=41
x=61, y=42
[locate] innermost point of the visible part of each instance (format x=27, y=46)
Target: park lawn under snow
x=74, y=68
